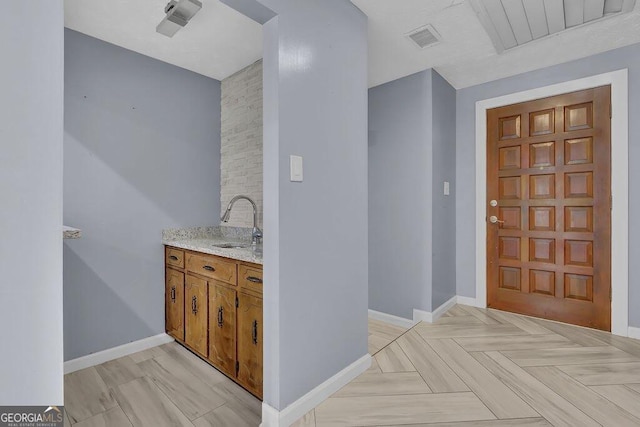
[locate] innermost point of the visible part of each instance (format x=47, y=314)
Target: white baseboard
x=422, y=316
x=115, y=352
x=438, y=312
x=271, y=417
x=430, y=317
x=634, y=332
x=470, y=301
x=390, y=318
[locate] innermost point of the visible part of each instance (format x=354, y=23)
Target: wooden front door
x=549, y=208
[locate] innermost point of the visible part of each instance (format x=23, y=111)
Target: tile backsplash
x=241, y=160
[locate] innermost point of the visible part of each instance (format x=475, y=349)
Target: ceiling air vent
x=424, y=36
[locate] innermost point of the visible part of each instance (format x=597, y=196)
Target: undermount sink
x=232, y=245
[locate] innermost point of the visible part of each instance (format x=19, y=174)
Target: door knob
x=494, y=219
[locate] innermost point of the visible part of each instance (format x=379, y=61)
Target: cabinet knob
x=220, y=316
x=254, y=279
x=173, y=257
x=208, y=268
x=194, y=305
x=173, y=294
x=254, y=332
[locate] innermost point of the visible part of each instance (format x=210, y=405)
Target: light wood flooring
x=477, y=367
x=163, y=386
x=473, y=367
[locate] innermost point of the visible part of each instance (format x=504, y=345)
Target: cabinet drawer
x=174, y=257
x=250, y=278
x=213, y=267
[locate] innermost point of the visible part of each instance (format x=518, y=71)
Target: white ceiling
x=217, y=42
x=466, y=56
x=512, y=23
x=220, y=41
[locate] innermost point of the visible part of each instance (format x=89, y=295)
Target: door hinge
x=237, y=368
x=610, y=202
x=610, y=111
x=610, y=294
x=237, y=302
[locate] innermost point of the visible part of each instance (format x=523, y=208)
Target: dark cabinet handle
x=194, y=305
x=173, y=257
x=173, y=294
x=254, y=279
x=208, y=268
x=220, y=316
x=254, y=332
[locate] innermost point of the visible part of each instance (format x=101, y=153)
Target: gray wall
x=411, y=222
x=627, y=57
x=271, y=189
x=141, y=153
x=444, y=207
x=31, y=192
x=252, y=9
x=316, y=231
x=400, y=193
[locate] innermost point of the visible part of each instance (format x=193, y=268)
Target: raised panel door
x=222, y=327
x=174, y=303
x=549, y=169
x=250, y=345
x=196, y=307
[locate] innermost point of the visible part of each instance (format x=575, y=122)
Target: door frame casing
x=619, y=184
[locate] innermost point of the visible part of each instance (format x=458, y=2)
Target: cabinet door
x=250, y=342
x=174, y=303
x=222, y=327
x=195, y=306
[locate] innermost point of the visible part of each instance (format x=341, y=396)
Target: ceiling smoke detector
x=424, y=37
x=179, y=13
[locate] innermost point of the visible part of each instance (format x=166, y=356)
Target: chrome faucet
x=256, y=235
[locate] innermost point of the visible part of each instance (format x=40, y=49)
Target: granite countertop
x=203, y=239
x=71, y=233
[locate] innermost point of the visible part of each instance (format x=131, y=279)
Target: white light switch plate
x=446, y=188
x=295, y=163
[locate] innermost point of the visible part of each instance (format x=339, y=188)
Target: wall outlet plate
x=295, y=164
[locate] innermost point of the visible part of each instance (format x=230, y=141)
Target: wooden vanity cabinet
x=213, y=306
